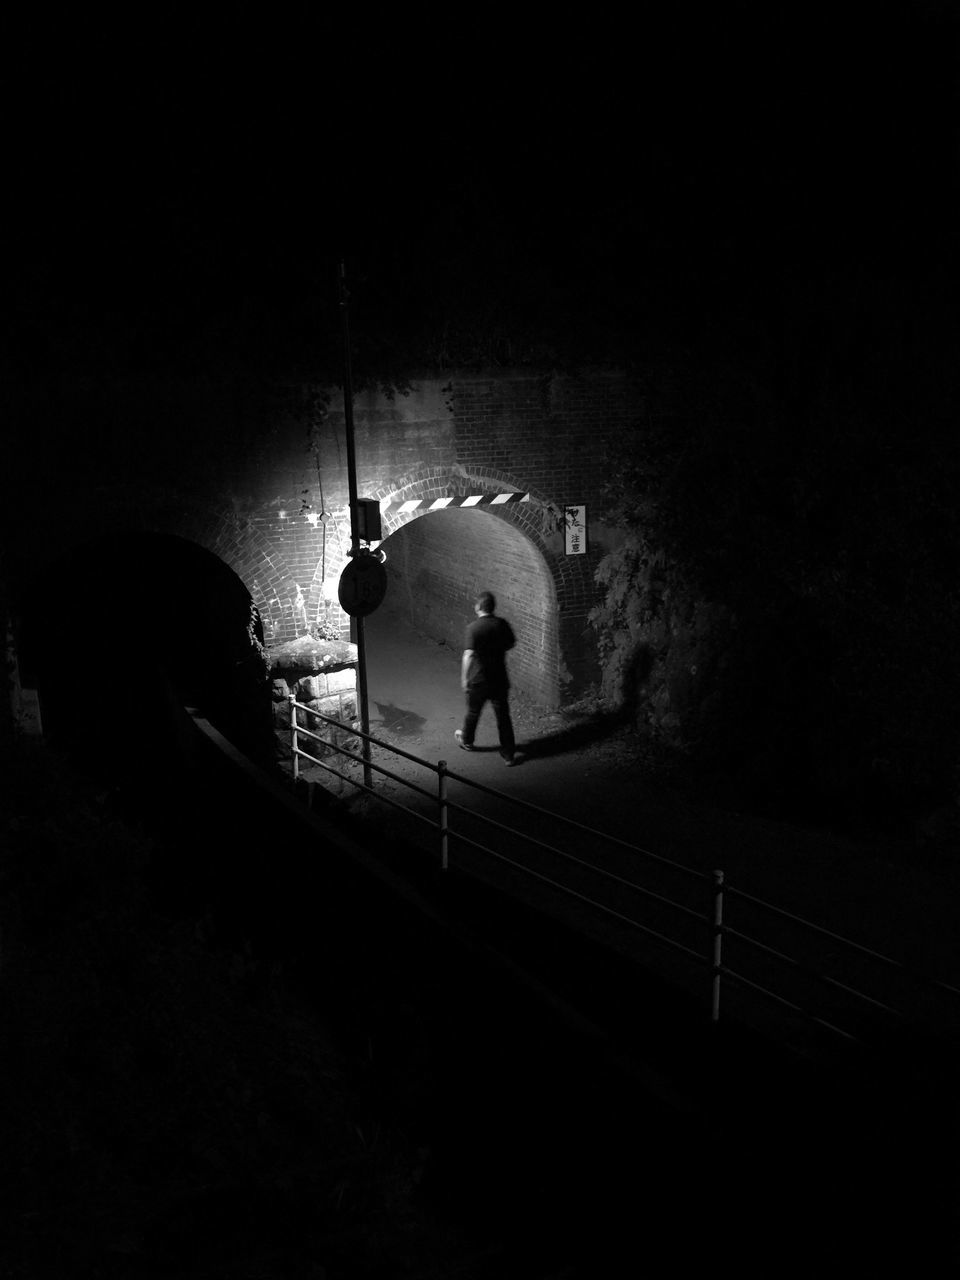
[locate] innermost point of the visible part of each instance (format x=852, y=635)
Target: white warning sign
x=575, y=530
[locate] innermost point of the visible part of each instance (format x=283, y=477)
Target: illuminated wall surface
x=275, y=509
x=438, y=564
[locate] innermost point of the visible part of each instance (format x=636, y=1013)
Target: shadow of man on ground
x=587, y=729
x=396, y=720
x=579, y=733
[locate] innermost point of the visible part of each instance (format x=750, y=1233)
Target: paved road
x=555, y=1144
x=596, y=777
x=817, y=1161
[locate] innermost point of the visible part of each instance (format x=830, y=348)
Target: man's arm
x=465, y=667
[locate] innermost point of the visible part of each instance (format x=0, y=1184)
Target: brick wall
x=260, y=511
x=546, y=435
x=554, y=431
x=439, y=563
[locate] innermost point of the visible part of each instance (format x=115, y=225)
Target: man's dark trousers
x=478, y=695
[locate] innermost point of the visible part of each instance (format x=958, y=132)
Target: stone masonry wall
x=322, y=676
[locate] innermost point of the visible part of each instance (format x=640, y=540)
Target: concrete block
x=311, y=687
x=313, y=723
x=329, y=706
x=341, y=681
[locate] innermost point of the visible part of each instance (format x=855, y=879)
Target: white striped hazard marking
x=467, y=500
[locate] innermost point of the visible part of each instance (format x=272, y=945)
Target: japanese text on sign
x=575, y=530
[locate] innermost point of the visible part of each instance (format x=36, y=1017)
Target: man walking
x=483, y=676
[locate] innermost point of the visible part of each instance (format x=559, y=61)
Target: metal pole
x=294, y=742
x=356, y=624
x=717, y=944
x=444, y=827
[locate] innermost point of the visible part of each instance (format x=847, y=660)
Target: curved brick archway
x=244, y=546
x=106, y=517
x=558, y=587
x=246, y=549
x=155, y=610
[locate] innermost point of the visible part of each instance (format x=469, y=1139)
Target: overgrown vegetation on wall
x=784, y=601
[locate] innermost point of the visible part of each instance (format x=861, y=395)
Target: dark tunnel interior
x=117, y=635
x=438, y=564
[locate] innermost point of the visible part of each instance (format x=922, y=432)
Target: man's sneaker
x=464, y=746
x=517, y=758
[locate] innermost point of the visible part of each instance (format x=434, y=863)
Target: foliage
x=794, y=538
x=325, y=629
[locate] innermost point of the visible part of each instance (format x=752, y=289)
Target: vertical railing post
x=717, y=945
x=292, y=699
x=443, y=814
x=356, y=620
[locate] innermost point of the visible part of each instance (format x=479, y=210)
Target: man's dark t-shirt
x=489, y=637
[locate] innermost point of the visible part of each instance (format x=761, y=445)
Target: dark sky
x=192, y=181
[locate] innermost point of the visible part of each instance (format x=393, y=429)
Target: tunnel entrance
x=117, y=631
x=438, y=563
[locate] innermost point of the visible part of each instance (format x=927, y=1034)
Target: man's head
x=485, y=602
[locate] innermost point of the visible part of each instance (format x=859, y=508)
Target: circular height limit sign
x=362, y=586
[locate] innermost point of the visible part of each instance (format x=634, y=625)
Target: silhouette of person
x=483, y=676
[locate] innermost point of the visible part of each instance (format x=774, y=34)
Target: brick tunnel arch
x=277, y=579
x=241, y=542
x=513, y=548
x=146, y=621
x=99, y=597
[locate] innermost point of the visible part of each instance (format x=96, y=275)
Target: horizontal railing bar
x=633, y=848
x=309, y=733
x=301, y=729
x=378, y=767
x=733, y=891
x=298, y=751
x=581, y=862
x=572, y=822
x=635, y=924
x=422, y=817
x=359, y=733
x=572, y=893
x=330, y=769
x=812, y=973
x=412, y=786
x=789, y=1004
x=502, y=795
x=370, y=791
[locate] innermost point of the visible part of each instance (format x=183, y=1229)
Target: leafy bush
x=783, y=598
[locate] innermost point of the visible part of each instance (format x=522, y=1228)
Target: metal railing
x=798, y=968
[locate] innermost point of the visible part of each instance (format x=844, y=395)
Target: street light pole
x=356, y=622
